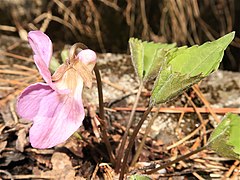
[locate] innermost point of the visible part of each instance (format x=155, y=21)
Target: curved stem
x=101, y=115
x=124, y=139
x=139, y=149
x=132, y=140
x=176, y=160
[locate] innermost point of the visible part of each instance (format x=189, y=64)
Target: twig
x=32, y=176
x=199, y=116
x=176, y=160
x=231, y=169
x=9, y=175
x=95, y=172
x=188, y=136
x=207, y=104
x=8, y=28
x=16, y=56
x=182, y=109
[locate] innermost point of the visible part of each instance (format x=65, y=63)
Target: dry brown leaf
x=21, y=140
x=2, y=145
x=62, y=167
x=6, y=115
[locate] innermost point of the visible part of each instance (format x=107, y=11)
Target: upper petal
x=42, y=48
x=88, y=57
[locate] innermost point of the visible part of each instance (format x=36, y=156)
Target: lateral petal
x=28, y=102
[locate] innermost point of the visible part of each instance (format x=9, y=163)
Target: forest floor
x=182, y=125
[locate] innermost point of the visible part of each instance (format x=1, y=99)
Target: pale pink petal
x=29, y=101
x=42, y=48
x=55, y=116
x=87, y=56
x=59, y=116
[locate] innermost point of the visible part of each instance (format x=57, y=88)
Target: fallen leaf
x=62, y=167
x=21, y=140
x=2, y=145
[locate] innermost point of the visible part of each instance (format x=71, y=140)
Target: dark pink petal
x=87, y=56
x=58, y=118
x=29, y=101
x=42, y=48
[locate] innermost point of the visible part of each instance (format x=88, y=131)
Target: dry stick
x=139, y=149
x=132, y=140
x=176, y=160
x=187, y=137
x=231, y=169
x=201, y=96
x=101, y=115
x=182, y=110
x=9, y=175
x=16, y=56
x=124, y=139
x=199, y=116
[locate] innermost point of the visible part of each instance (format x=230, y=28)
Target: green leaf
x=148, y=57
x=170, y=84
x=187, y=66
x=139, y=177
x=54, y=64
x=200, y=59
x=64, y=55
x=225, y=139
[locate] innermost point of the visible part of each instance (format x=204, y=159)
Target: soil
x=87, y=158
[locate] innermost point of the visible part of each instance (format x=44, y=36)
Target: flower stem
x=101, y=115
x=124, y=139
x=176, y=160
x=139, y=149
x=132, y=140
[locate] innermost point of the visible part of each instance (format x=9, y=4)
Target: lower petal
x=59, y=116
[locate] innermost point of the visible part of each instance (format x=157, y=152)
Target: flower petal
x=42, y=48
x=87, y=56
x=28, y=101
x=59, y=116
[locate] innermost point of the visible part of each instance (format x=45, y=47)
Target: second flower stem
x=148, y=129
x=101, y=115
x=124, y=139
x=132, y=140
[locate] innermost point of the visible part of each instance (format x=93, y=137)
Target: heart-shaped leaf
x=187, y=66
x=148, y=57
x=225, y=139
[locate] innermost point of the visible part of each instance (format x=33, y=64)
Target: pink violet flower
x=55, y=107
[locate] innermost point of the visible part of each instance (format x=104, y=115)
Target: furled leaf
x=54, y=64
x=148, y=57
x=64, y=55
x=187, y=66
x=225, y=139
